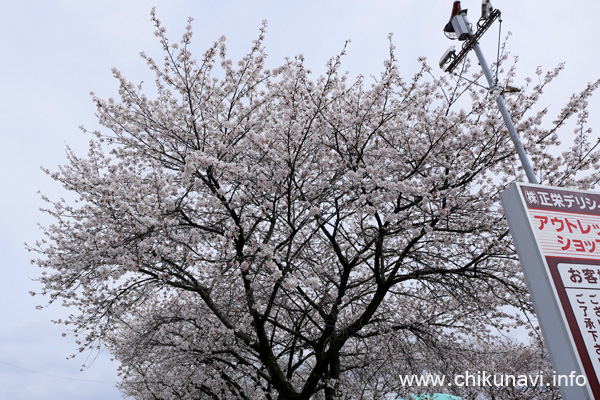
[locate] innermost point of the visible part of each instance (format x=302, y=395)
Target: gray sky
x=54, y=52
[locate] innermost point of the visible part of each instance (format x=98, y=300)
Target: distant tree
x=247, y=233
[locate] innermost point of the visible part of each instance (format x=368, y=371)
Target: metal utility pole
x=460, y=26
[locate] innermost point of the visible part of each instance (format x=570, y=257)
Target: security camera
x=486, y=9
x=448, y=55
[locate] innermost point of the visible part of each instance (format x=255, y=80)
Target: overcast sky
x=54, y=52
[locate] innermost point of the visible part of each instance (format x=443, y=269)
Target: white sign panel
x=557, y=236
x=582, y=287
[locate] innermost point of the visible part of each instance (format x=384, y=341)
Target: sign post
x=557, y=235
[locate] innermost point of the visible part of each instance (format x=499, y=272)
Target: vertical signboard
x=557, y=235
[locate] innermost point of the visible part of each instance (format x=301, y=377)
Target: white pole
x=502, y=106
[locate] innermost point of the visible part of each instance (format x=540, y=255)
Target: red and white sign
x=567, y=223
x=565, y=226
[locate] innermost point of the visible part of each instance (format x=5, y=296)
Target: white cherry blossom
x=254, y=233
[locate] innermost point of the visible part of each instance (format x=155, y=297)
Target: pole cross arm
x=474, y=38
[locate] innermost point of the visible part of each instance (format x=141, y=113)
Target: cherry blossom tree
x=251, y=233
